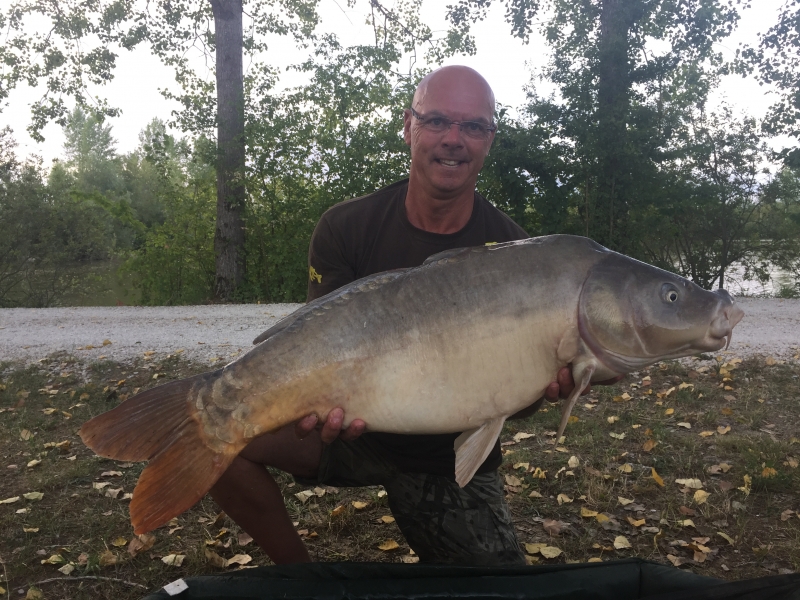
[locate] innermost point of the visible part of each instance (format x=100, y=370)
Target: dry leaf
x=107, y=558
x=388, y=545
x=617, y=436
x=748, y=483
x=518, y=437
x=513, y=481
x=700, y=496
x=636, y=522
x=550, y=552
x=410, y=559
x=613, y=419
x=726, y=537
x=387, y=519
x=694, y=484
x=522, y=465
x=535, y=547
x=574, y=463
x=621, y=542
x=539, y=473
x=656, y=477
x=624, y=501
x=676, y=561
x=669, y=411
x=338, y=510
x=141, y=544
x=214, y=559
x=304, y=495
x=34, y=463
x=586, y=513
x=55, y=559
x=534, y=494
x=687, y=523
x=67, y=569
x=119, y=542
x=173, y=560
x=10, y=500
x=723, y=430
x=360, y=505
x=25, y=435
x=706, y=433
x=99, y=485
x=111, y=474
x=563, y=499
x=33, y=496
x=243, y=539
x=238, y=559
x=768, y=472
x=689, y=512
x=382, y=494
x=626, y=468
x=649, y=445
x=34, y=593
x=553, y=527
x=30, y=530
x=685, y=425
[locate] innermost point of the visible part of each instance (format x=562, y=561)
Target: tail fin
x=158, y=425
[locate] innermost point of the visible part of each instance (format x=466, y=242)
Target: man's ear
x=407, y=126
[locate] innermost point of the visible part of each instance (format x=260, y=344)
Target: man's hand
x=331, y=428
x=564, y=385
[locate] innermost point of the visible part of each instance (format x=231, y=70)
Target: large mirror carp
x=457, y=344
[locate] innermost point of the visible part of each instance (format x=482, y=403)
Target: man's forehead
x=455, y=89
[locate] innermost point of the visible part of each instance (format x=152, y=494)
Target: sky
x=504, y=61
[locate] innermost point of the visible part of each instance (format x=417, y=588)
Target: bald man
x=450, y=128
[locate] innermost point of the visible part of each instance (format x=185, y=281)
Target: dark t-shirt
x=372, y=234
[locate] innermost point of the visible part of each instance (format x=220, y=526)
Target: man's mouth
x=449, y=163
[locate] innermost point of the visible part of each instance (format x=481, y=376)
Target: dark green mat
x=617, y=580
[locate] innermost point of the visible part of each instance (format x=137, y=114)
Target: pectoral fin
x=473, y=446
x=582, y=377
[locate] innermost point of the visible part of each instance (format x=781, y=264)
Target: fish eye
x=669, y=293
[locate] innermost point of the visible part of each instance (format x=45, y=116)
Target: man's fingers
x=355, y=429
x=333, y=426
x=305, y=426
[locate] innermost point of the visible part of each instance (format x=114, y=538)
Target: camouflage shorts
x=442, y=522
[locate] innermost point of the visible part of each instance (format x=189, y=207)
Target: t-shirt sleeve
x=328, y=267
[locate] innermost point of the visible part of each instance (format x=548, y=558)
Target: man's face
x=447, y=164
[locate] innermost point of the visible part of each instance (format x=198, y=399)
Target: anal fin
x=473, y=446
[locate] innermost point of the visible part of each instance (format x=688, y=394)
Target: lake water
x=738, y=286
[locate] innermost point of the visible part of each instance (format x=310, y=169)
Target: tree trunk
x=229, y=233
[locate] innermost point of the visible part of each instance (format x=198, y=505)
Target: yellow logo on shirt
x=490, y=244
x=313, y=275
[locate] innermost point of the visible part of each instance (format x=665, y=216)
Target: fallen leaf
x=214, y=559
x=689, y=512
x=685, y=425
x=513, y=481
x=338, y=510
x=67, y=569
x=725, y=486
x=107, y=558
x=522, y=465
x=553, y=526
x=621, y=542
x=700, y=496
x=30, y=530
x=787, y=514
x=586, y=513
x=706, y=433
x=636, y=522
x=723, y=430
x=550, y=551
x=687, y=523
x=770, y=361
x=113, y=492
x=49, y=411
x=141, y=543
x=626, y=468
x=669, y=411
x=768, y=472
x=534, y=494
x=624, y=501
x=34, y=593
x=388, y=545
x=574, y=463
x=518, y=437
x=563, y=499
x=33, y=496
x=304, y=495
x=748, y=483
x=10, y=500
x=111, y=474
x=617, y=436
x=387, y=519
x=539, y=473
x=360, y=505
x=243, y=539
x=238, y=559
x=173, y=560
x=99, y=485
x=119, y=542
x=410, y=559
x=34, y=463
x=649, y=445
x=694, y=484
x=613, y=419
x=656, y=477
x=726, y=537
x=535, y=547
x=676, y=561
x=725, y=467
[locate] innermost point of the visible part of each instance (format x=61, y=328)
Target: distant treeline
x=650, y=172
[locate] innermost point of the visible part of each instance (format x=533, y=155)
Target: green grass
x=45, y=404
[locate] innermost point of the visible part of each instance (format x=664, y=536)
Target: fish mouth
x=720, y=332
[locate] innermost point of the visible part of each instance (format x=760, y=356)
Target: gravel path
x=212, y=333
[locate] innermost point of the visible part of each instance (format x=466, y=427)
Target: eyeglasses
x=472, y=129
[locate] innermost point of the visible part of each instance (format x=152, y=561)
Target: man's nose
x=453, y=136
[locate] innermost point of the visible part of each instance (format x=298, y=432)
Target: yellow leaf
x=10, y=500
x=613, y=419
x=617, y=436
x=304, y=495
x=120, y=541
x=25, y=435
x=726, y=537
x=626, y=468
x=387, y=519
x=518, y=437
x=49, y=411
x=539, y=474
x=601, y=518
x=513, y=481
x=700, y=496
x=34, y=594
x=106, y=342
x=574, y=463
x=636, y=522
x=685, y=425
x=534, y=494
x=573, y=419
x=141, y=543
x=55, y=559
x=748, y=483
x=549, y=551
x=522, y=465
x=621, y=542
x=595, y=559
x=388, y=545
x=586, y=513
x=338, y=510
x=706, y=433
x=30, y=529
x=624, y=501
x=534, y=548
x=771, y=361
x=687, y=523
x=669, y=411
x=723, y=430
x=649, y=445
x=33, y=496
x=563, y=499
x=768, y=472
x=358, y=505
x=34, y=463
x=67, y=569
